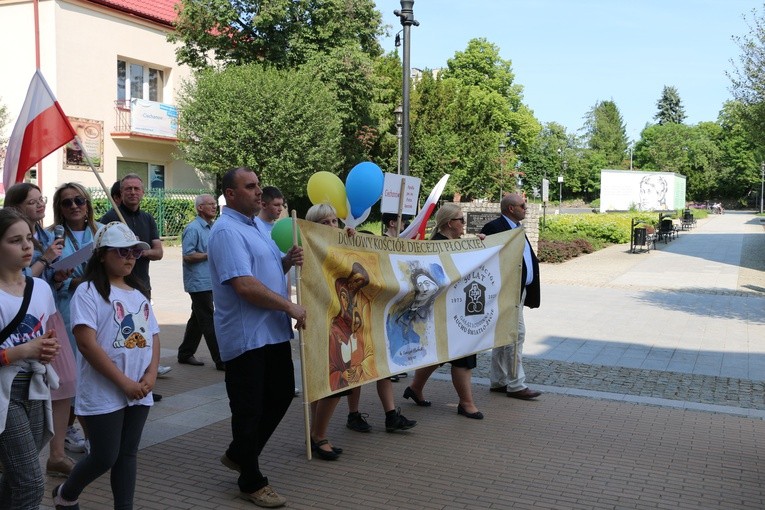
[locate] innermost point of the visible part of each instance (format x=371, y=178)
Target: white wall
x=622, y=190
x=80, y=46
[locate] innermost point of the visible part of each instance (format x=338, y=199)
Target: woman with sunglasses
x=450, y=224
x=73, y=210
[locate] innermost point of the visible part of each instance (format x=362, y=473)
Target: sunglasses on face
x=78, y=201
x=134, y=253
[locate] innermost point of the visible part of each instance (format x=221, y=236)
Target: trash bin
x=639, y=236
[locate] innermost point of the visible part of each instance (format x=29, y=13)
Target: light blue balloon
x=364, y=187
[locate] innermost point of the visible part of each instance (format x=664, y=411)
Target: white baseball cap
x=117, y=235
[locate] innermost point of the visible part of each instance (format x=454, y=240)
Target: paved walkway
x=652, y=370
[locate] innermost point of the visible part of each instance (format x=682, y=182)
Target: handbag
x=11, y=327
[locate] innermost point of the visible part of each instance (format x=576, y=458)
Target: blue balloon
x=364, y=187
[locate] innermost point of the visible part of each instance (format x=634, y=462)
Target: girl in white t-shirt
x=26, y=422
x=118, y=338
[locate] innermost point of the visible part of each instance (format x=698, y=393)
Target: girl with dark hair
x=27, y=345
x=28, y=200
x=118, y=338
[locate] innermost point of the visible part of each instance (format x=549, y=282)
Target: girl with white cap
x=118, y=337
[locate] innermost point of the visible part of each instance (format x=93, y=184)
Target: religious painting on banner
x=379, y=305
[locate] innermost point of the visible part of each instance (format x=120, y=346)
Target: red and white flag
x=42, y=128
x=416, y=229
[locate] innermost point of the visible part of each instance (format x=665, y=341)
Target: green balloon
x=282, y=234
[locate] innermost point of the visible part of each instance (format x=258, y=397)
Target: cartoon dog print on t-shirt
x=133, y=326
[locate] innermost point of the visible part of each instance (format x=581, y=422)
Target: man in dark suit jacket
x=504, y=377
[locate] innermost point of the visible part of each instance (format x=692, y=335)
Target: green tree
x=670, y=108
x=692, y=151
x=740, y=158
x=335, y=39
x=282, y=123
x=606, y=133
x=285, y=33
x=460, y=119
x=748, y=76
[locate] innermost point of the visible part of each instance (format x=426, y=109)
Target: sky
x=570, y=54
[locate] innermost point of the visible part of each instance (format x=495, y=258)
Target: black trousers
x=260, y=385
x=200, y=323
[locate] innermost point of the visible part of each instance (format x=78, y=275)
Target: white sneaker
x=74, y=441
x=163, y=370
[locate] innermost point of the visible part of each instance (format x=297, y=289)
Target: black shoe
x=408, y=393
x=156, y=396
x=191, y=360
x=335, y=449
x=478, y=415
x=393, y=378
x=394, y=421
x=357, y=421
x=323, y=454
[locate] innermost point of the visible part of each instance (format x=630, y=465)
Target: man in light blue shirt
x=253, y=315
x=196, y=281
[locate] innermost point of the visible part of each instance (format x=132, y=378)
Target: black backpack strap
x=11, y=327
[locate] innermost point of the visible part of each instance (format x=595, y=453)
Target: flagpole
x=306, y=405
x=100, y=181
x=36, y=9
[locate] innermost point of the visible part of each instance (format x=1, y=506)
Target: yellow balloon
x=327, y=188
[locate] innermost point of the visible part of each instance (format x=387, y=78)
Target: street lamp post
x=560, y=182
x=406, y=15
x=399, y=113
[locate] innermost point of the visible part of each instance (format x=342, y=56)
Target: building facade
x=115, y=76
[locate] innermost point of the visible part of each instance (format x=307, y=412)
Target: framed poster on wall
x=91, y=135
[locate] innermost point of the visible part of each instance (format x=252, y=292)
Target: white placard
x=545, y=190
x=73, y=260
x=392, y=189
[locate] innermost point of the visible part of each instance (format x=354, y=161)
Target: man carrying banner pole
x=253, y=314
x=507, y=375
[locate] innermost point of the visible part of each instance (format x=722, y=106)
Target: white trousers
x=502, y=359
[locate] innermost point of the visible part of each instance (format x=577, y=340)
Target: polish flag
x=416, y=229
x=42, y=128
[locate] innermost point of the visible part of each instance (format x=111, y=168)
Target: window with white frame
x=139, y=81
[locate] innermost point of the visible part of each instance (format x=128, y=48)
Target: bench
x=667, y=229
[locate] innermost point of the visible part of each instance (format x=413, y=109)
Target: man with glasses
x=505, y=377
x=145, y=228
x=196, y=281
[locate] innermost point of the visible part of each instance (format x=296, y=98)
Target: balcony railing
x=145, y=119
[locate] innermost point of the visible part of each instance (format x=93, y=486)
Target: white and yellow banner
x=379, y=306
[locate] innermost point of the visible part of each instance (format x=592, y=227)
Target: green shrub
x=569, y=235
